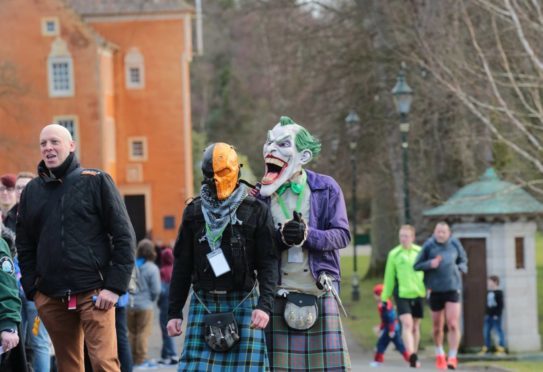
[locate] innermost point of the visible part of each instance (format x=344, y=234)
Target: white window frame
x=51, y=61
x=131, y=155
x=45, y=31
x=75, y=133
x=134, y=60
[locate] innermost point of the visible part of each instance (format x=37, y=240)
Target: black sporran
x=221, y=331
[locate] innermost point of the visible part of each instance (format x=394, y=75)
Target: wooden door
x=135, y=206
x=474, y=293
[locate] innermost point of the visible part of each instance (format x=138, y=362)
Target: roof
x=489, y=196
x=127, y=7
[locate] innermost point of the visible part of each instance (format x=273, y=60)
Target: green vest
x=10, y=303
x=399, y=270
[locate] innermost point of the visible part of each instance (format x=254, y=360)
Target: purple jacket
x=328, y=225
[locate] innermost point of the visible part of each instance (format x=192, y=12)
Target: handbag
x=301, y=311
x=221, y=331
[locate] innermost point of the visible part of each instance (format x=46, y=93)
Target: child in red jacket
x=389, y=329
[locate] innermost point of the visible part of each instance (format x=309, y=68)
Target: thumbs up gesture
x=294, y=231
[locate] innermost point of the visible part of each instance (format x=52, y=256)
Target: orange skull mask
x=220, y=167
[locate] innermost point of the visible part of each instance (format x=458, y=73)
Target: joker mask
x=288, y=148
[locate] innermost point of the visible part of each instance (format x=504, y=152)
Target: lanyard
x=215, y=237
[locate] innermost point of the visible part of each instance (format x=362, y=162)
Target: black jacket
x=191, y=248
x=73, y=234
x=494, y=302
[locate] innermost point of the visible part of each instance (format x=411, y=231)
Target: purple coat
x=328, y=225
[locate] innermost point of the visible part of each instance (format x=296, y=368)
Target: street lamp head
x=352, y=120
x=403, y=94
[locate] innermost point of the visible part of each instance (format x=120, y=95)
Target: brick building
x=116, y=74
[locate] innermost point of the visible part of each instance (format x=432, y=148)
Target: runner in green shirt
x=408, y=288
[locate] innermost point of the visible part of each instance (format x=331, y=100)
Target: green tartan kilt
x=321, y=348
x=249, y=354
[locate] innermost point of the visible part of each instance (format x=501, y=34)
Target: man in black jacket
x=75, y=241
x=225, y=237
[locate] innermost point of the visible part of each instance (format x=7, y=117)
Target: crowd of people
x=260, y=264
x=67, y=255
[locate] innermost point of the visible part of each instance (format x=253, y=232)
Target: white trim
x=186, y=58
x=51, y=61
x=45, y=31
x=145, y=150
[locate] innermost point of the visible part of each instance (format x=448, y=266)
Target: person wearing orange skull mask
x=226, y=236
x=221, y=169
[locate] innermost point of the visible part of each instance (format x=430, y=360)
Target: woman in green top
x=410, y=289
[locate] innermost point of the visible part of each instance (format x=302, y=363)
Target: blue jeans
x=385, y=339
x=168, y=345
x=123, y=346
x=39, y=344
x=490, y=323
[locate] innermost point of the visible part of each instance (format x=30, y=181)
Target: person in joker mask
x=226, y=236
x=311, y=226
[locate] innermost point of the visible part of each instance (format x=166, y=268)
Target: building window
x=61, y=77
x=49, y=26
x=60, y=70
x=519, y=253
x=137, y=147
x=134, y=69
x=70, y=122
x=169, y=222
x=135, y=75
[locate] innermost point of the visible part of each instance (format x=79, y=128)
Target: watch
x=9, y=330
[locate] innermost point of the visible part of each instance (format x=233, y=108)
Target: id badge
x=295, y=254
x=218, y=262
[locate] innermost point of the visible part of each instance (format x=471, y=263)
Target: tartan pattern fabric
x=321, y=348
x=248, y=355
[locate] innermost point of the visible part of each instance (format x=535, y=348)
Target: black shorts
x=413, y=306
x=437, y=300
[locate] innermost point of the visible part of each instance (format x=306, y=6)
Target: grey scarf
x=219, y=213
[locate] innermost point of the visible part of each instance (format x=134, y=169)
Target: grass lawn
x=363, y=314
x=520, y=366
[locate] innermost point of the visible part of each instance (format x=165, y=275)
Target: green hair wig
x=304, y=140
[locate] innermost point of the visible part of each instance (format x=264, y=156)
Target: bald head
x=58, y=130
x=56, y=144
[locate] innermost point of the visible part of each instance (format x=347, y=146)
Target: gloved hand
x=294, y=232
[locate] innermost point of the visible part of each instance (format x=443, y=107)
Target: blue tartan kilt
x=321, y=348
x=249, y=354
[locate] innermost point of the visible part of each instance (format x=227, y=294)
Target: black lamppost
x=403, y=96
x=353, y=120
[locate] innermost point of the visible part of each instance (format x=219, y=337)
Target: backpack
x=133, y=283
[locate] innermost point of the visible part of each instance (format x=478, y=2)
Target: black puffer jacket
x=191, y=249
x=75, y=240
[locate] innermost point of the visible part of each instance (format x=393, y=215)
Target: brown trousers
x=69, y=328
x=140, y=325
